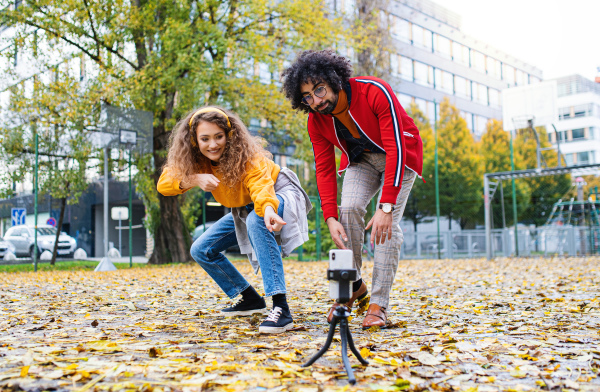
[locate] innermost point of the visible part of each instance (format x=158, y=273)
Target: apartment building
x=578, y=127
x=433, y=59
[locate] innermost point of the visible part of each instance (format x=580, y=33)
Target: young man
x=381, y=149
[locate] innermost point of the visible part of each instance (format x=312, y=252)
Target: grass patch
x=66, y=265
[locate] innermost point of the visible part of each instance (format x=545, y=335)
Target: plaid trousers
x=362, y=181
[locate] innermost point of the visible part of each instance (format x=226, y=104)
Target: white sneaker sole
x=245, y=312
x=276, y=329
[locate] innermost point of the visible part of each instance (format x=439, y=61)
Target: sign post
x=120, y=213
x=118, y=126
x=18, y=216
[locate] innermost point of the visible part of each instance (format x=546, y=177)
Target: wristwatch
x=386, y=207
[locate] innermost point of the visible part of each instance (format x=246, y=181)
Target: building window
x=443, y=46
x=508, y=73
x=401, y=66
x=480, y=93
x=423, y=74
x=462, y=87
x=582, y=110
x=494, y=96
x=406, y=68
x=564, y=113
x=460, y=53
x=479, y=127
x=444, y=81
x=421, y=37
x=478, y=61
x=585, y=158
x=562, y=136
x=469, y=118
x=578, y=134
x=569, y=159
x=427, y=107
x=405, y=100
x=520, y=78
x=494, y=68
x=400, y=28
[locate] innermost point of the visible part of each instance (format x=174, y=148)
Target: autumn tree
x=460, y=167
x=494, y=149
x=543, y=192
x=421, y=202
x=169, y=57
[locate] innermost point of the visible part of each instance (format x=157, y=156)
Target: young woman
x=212, y=149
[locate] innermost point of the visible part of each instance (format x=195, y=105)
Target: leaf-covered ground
x=456, y=325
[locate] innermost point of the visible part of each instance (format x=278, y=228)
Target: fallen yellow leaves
x=453, y=325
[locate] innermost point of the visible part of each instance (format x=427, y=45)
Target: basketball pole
x=106, y=202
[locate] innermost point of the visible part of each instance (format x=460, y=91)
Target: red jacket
x=379, y=117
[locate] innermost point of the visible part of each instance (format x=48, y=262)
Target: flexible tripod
x=340, y=316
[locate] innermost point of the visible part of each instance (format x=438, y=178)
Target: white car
x=6, y=247
x=22, y=237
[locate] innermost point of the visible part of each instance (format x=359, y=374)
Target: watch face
x=387, y=208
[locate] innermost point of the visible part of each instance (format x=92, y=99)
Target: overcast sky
x=561, y=37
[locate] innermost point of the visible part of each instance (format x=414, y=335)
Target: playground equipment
x=572, y=224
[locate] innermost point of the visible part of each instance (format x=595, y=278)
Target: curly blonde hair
x=241, y=149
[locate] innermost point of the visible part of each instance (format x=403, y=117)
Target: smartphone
x=339, y=259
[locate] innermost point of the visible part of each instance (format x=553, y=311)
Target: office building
x=578, y=127
x=433, y=59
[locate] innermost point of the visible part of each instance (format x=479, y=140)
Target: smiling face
x=323, y=105
x=211, y=140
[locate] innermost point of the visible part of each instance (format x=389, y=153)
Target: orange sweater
x=256, y=186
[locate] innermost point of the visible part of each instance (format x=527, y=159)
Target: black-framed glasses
x=319, y=92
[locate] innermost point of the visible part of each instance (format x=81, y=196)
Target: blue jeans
x=207, y=249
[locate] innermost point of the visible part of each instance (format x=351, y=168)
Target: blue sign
x=51, y=222
x=18, y=216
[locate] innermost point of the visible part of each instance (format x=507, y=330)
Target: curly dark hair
x=314, y=67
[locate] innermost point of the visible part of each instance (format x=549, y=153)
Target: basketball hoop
x=522, y=121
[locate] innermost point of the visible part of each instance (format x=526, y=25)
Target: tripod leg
x=344, y=335
x=326, y=345
x=353, y=348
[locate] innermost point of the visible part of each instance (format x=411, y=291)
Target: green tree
x=168, y=57
x=460, y=168
x=61, y=114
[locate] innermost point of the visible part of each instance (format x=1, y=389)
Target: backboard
x=535, y=101
x=124, y=127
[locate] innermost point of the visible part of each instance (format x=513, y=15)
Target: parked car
x=6, y=247
x=23, y=237
x=198, y=231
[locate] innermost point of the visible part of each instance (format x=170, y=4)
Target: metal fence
x=531, y=241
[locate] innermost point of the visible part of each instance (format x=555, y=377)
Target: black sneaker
x=279, y=320
x=246, y=307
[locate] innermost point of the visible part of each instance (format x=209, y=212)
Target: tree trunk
x=171, y=240
x=63, y=204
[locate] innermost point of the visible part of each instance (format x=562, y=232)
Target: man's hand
x=206, y=182
x=382, y=227
x=337, y=232
x=273, y=222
